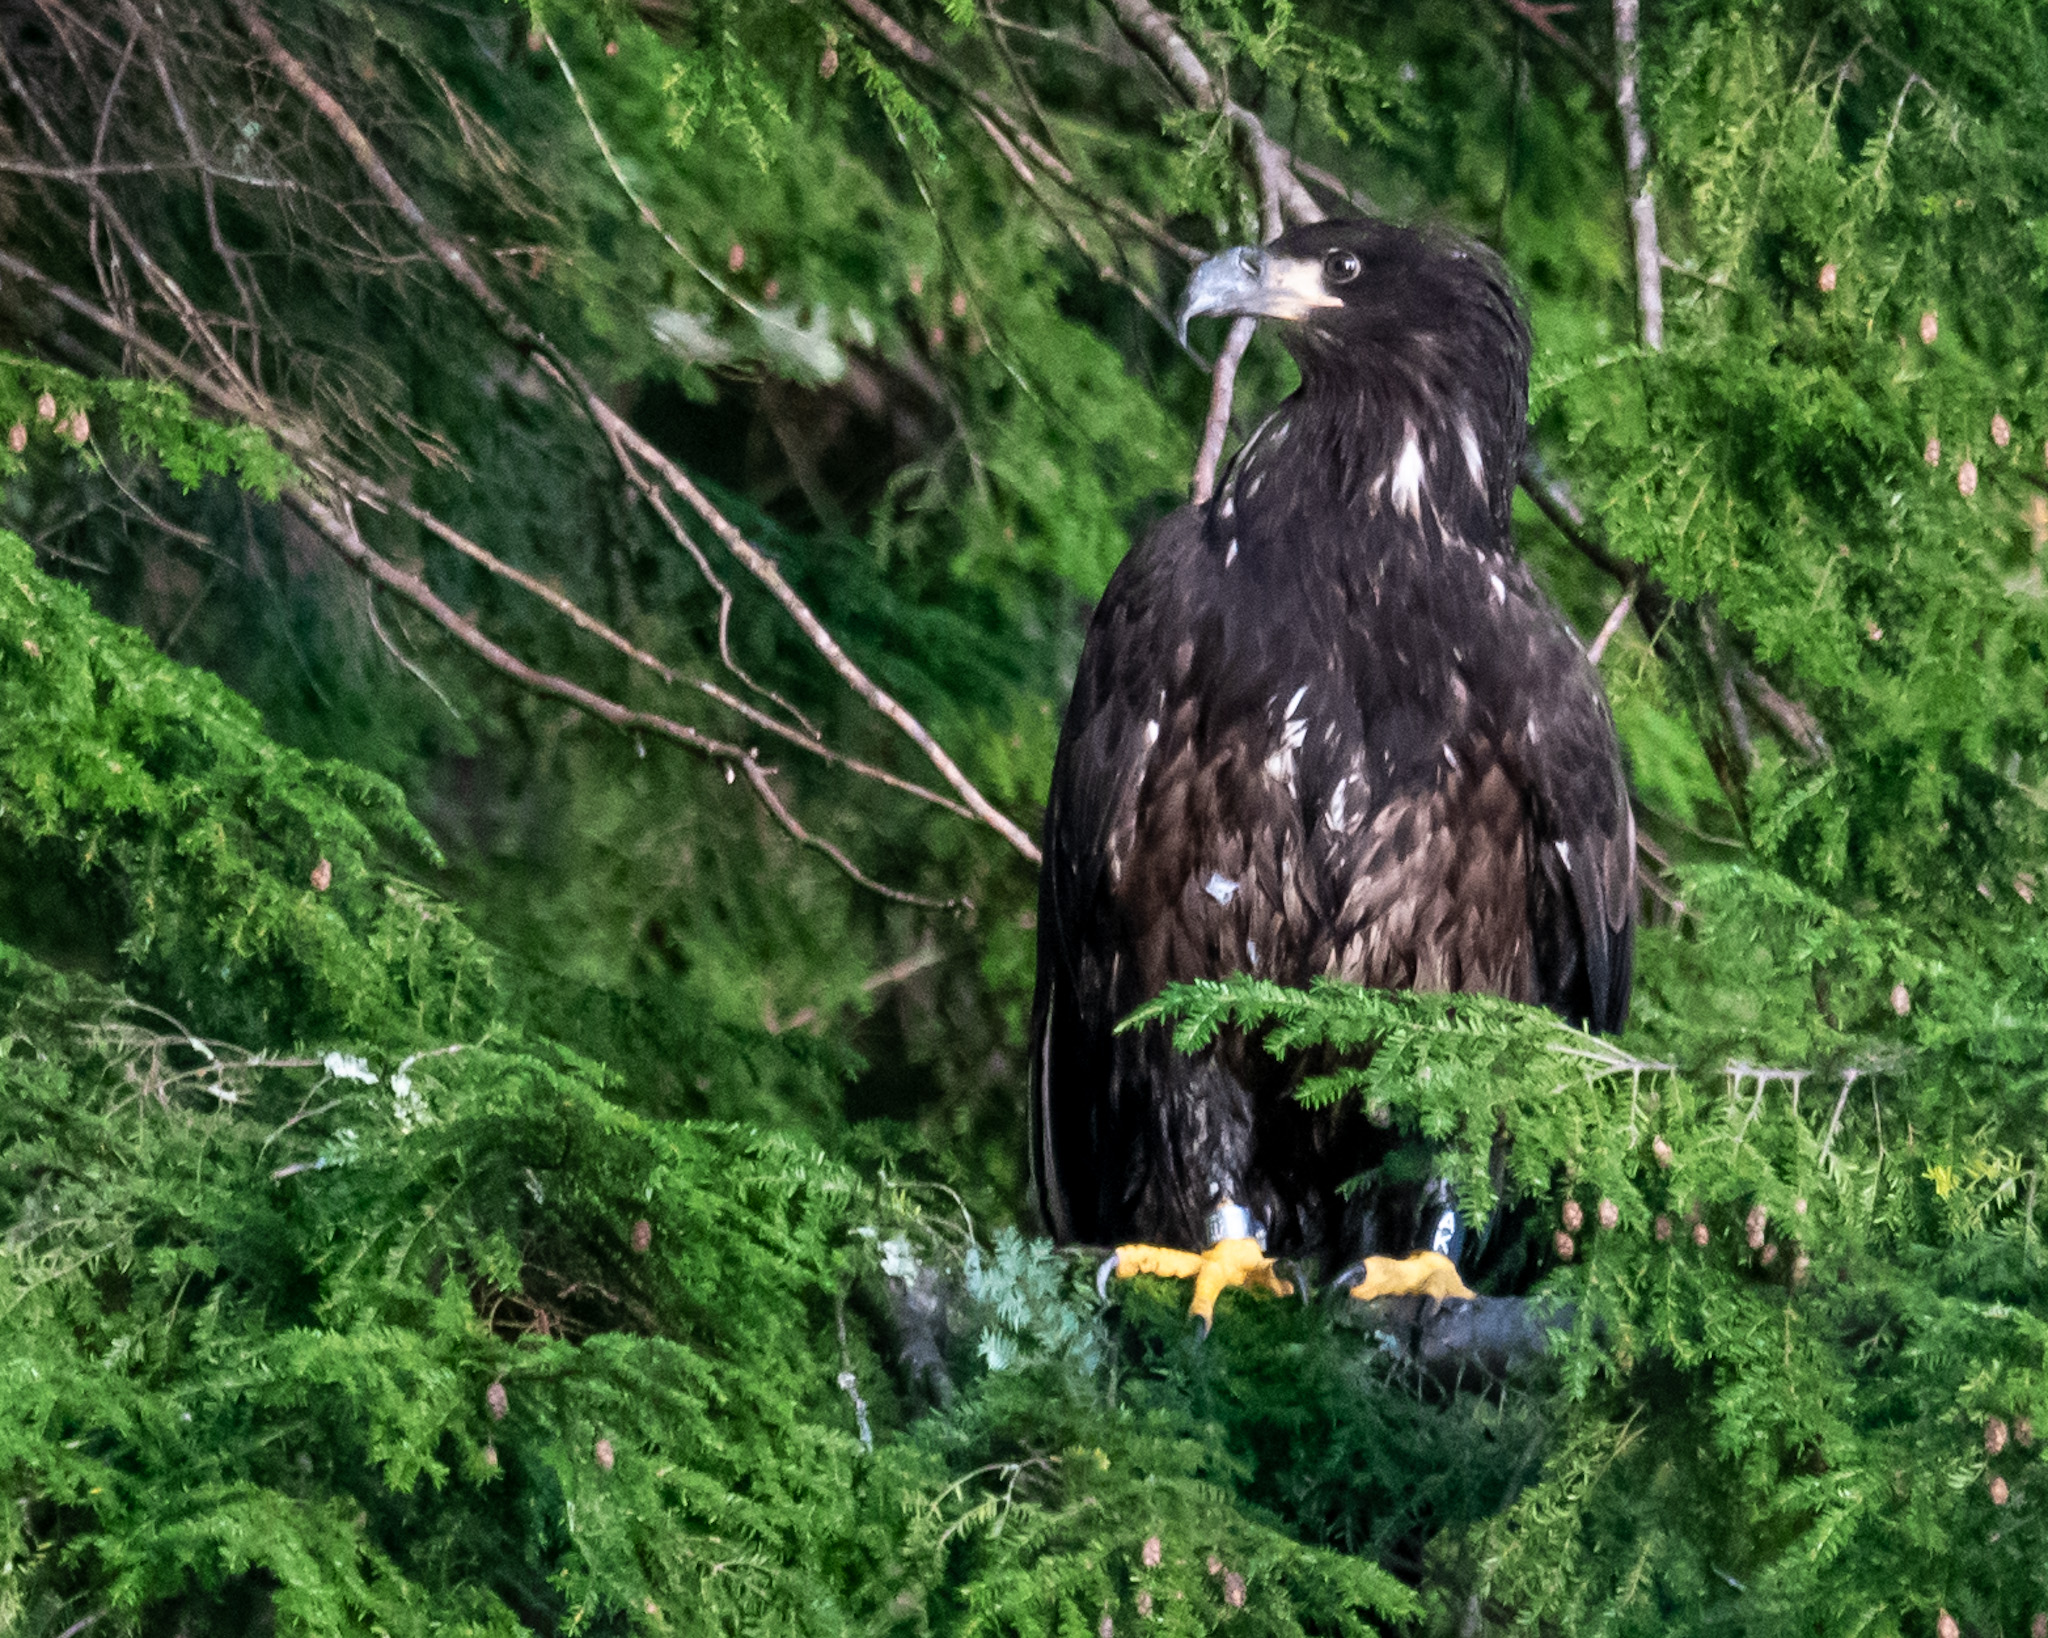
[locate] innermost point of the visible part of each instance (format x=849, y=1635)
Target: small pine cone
x=937, y=337
x=1215, y=1565
x=2023, y=1432
x=1574, y=1216
x=1827, y=279
x=1145, y=1605
x=1662, y=1228
x=1566, y=1247
x=1995, y=1433
x=2000, y=1493
x=605, y=1455
x=1932, y=453
x=2040, y=1626
x=1105, y=1628
x=490, y=1455
x=496, y=1402
x=1610, y=1215
x=736, y=258
x=322, y=877
x=1154, y=1550
x=1945, y=1626
x=611, y=48
x=2001, y=431
x=1769, y=1254
x=1902, y=1000
x=1662, y=1151
x=1930, y=327
x=643, y=1236
x=828, y=64
x=17, y=437
x=772, y=290
x=959, y=304
x=80, y=428
x=1800, y=1265
x=1966, y=479
x=1754, y=1225
x=1799, y=1207
x=1233, y=1590
x=46, y=407
x=1699, y=1234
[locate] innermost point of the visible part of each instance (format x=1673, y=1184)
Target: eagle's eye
x=1340, y=267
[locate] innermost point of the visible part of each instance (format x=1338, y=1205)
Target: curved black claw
x=1202, y=1335
x=1348, y=1278
x=1298, y=1278
x=1103, y=1273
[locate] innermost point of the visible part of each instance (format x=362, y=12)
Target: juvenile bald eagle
x=1325, y=723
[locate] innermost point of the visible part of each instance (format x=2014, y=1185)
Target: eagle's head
x=1393, y=327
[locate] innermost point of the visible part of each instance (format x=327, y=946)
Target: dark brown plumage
x=1324, y=724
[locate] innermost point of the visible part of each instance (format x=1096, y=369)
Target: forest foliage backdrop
x=541, y=551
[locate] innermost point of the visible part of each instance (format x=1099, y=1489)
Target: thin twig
x=1615, y=616
x=338, y=529
x=328, y=522
x=1841, y=1103
x=1221, y=386
x=1155, y=34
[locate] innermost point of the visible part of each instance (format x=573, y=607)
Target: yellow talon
x=1235, y=1262
x=1420, y=1274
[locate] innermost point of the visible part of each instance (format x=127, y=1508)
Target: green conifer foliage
x=367, y=1260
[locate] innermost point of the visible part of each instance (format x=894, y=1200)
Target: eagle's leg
x=1234, y=1258
x=1432, y=1273
x=1419, y=1274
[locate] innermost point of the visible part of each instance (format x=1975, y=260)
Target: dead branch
x=1217, y=424
x=1155, y=34
x=1642, y=207
x=570, y=379
x=1280, y=194
x=1788, y=716
x=907, y=44
x=1610, y=626
x=336, y=526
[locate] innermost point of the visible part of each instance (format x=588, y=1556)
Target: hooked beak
x=1248, y=282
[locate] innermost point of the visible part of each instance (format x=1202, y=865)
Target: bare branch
x=763, y=569
x=909, y=45
x=1731, y=703
x=757, y=776
x=615, y=427
x=337, y=528
x=1642, y=208
x=925, y=955
x=1610, y=626
x=1788, y=716
x=1281, y=198
x=1217, y=425
x=1271, y=163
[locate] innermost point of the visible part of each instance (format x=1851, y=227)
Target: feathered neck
x=1424, y=425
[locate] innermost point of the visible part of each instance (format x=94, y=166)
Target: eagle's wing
x=1094, y=791
x=1582, y=878
x=1175, y=849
